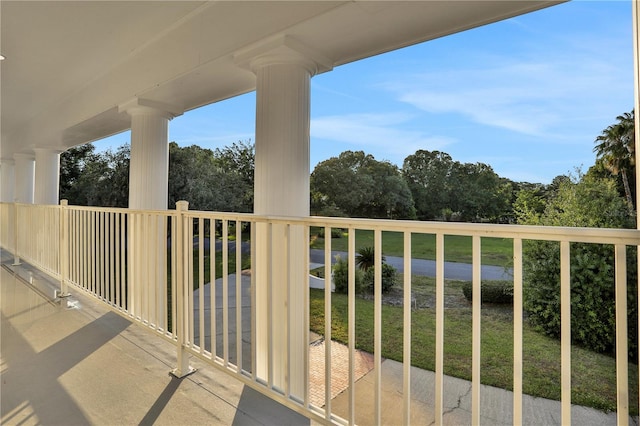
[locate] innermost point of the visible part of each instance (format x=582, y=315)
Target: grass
x=593, y=374
x=231, y=265
x=495, y=251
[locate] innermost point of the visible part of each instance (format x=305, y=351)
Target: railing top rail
x=531, y=232
x=525, y=232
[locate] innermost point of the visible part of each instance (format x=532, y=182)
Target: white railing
x=158, y=268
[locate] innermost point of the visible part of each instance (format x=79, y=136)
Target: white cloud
x=380, y=132
x=543, y=94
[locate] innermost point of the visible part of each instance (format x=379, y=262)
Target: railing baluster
x=188, y=247
x=225, y=292
x=406, y=330
x=327, y=322
x=622, y=350
x=112, y=257
x=142, y=275
x=565, y=330
x=82, y=261
x=351, y=259
x=164, y=254
x=201, y=334
x=92, y=254
x=238, y=296
x=174, y=259
x=270, y=305
x=307, y=325
x=151, y=236
x=253, y=301
x=517, y=331
x=212, y=290
x=439, y=380
x=377, y=324
x=287, y=311
x=103, y=261
x=121, y=258
x=476, y=331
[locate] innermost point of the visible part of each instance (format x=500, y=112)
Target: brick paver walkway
x=339, y=369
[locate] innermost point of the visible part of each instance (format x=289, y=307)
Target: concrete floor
x=74, y=362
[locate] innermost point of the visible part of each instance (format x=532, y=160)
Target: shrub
x=389, y=274
x=341, y=276
x=592, y=202
x=335, y=232
x=492, y=291
x=593, y=323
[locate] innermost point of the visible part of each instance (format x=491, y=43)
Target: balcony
x=141, y=304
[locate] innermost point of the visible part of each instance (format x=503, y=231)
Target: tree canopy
x=357, y=185
x=220, y=180
x=88, y=178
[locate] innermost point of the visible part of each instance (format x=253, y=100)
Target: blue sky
x=527, y=96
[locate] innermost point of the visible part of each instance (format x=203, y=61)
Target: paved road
x=452, y=270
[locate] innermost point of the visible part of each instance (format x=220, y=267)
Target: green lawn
x=495, y=251
x=231, y=264
x=593, y=375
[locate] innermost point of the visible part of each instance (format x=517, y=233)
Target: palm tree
x=616, y=147
x=366, y=258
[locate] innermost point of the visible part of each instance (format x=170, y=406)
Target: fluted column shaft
x=25, y=165
x=7, y=180
x=149, y=167
x=282, y=140
x=47, y=176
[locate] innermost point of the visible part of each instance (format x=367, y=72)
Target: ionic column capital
x=22, y=156
x=52, y=151
x=141, y=106
x=283, y=50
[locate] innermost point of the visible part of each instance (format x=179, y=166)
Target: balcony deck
x=73, y=361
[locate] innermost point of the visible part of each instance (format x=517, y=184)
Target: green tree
x=529, y=205
x=360, y=186
x=616, y=148
x=101, y=179
x=72, y=164
x=195, y=175
x=238, y=159
x=116, y=191
x=427, y=174
x=476, y=192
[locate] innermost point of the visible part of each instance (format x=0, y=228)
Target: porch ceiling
x=70, y=64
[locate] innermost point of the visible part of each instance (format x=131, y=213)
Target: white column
x=47, y=176
x=7, y=180
x=283, y=68
x=148, y=190
x=149, y=166
x=24, y=174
